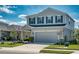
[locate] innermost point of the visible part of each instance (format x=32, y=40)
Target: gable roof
x=50, y=11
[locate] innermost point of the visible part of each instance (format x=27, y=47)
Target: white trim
x=35, y=20
x=47, y=31
x=44, y=20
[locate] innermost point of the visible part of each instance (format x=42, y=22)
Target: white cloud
x=22, y=16
x=21, y=23
x=76, y=20
x=8, y=6
x=6, y=10
x=1, y=16
x=13, y=23
x=3, y=20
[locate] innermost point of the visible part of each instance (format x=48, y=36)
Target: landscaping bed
x=70, y=47
x=10, y=44
x=56, y=51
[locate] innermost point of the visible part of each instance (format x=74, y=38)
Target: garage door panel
x=46, y=37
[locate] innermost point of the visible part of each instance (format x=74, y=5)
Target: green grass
x=73, y=47
x=56, y=51
x=70, y=47
x=54, y=46
x=10, y=44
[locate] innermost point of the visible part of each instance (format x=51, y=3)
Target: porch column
x=35, y=20
x=44, y=20
x=53, y=19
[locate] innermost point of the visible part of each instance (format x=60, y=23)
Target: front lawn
x=73, y=47
x=70, y=47
x=56, y=51
x=10, y=44
x=54, y=47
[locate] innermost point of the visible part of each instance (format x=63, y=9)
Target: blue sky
x=15, y=13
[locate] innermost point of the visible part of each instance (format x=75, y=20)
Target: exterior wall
x=69, y=23
x=69, y=28
x=68, y=33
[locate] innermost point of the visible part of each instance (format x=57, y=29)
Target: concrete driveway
x=24, y=49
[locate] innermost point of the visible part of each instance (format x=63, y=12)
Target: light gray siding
x=51, y=33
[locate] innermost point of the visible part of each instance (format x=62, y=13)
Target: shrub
x=10, y=43
x=8, y=38
x=66, y=44
x=2, y=42
x=26, y=39
x=73, y=41
x=61, y=42
x=30, y=39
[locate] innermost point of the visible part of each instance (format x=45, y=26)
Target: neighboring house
x=6, y=30
x=3, y=30
x=51, y=25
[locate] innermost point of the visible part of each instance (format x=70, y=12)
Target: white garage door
x=46, y=37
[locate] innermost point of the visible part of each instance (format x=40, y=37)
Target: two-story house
x=51, y=25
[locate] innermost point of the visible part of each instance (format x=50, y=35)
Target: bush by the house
x=73, y=41
x=30, y=39
x=61, y=42
x=2, y=42
x=66, y=44
x=8, y=38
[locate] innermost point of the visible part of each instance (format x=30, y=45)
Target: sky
x=15, y=14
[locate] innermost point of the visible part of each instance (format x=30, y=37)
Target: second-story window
x=40, y=20
x=59, y=19
x=32, y=20
x=49, y=19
